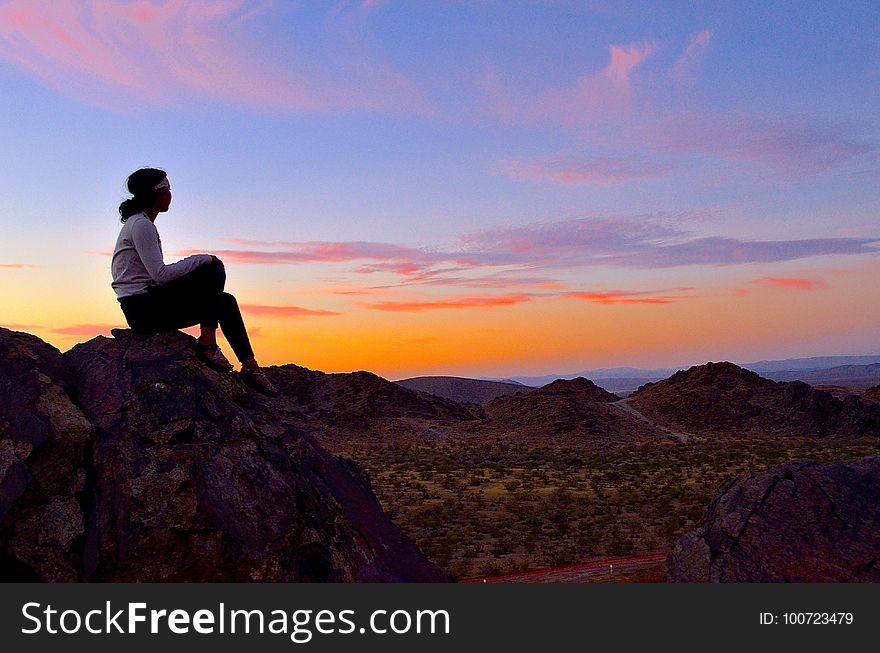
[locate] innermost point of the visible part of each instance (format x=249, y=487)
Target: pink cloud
x=86, y=330
x=170, y=52
x=484, y=301
x=632, y=297
x=625, y=59
x=16, y=266
x=684, y=70
x=498, y=280
x=572, y=170
x=801, y=284
x=602, y=94
x=791, y=283
x=283, y=311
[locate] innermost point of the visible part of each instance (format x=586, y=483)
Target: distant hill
x=872, y=395
x=566, y=408
x=850, y=376
x=463, y=390
x=806, y=364
x=609, y=375
x=619, y=379
x=625, y=386
x=725, y=398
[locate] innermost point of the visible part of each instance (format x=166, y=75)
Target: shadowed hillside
x=125, y=459
x=723, y=398
x=462, y=390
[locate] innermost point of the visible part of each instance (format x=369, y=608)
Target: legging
x=195, y=298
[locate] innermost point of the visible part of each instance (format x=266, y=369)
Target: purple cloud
x=507, y=257
x=785, y=146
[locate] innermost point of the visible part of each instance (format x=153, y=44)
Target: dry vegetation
x=483, y=508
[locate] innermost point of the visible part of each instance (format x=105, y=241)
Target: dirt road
x=574, y=573
x=624, y=405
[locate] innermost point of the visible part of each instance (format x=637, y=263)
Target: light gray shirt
x=138, y=263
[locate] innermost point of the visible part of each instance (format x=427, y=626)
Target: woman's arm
x=145, y=237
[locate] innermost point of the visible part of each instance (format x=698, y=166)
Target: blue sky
x=427, y=169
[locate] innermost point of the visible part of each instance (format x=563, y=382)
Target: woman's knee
x=215, y=274
x=228, y=303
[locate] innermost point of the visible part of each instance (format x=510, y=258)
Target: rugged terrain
x=125, y=459
x=724, y=399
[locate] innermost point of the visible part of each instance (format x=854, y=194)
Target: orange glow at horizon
x=543, y=335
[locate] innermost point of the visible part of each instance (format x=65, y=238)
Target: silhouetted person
x=156, y=297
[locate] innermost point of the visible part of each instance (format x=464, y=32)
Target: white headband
x=162, y=184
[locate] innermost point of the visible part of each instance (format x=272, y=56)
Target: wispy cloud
x=520, y=256
x=494, y=280
x=572, y=170
x=166, y=53
x=784, y=146
x=482, y=301
x=86, y=330
x=684, y=70
x=283, y=311
x=601, y=94
x=790, y=283
x=16, y=266
x=633, y=297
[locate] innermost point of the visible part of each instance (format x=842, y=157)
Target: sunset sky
x=464, y=187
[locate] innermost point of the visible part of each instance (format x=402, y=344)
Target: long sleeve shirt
x=138, y=263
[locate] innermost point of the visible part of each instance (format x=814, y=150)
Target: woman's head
x=150, y=188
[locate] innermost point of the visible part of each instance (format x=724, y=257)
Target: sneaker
x=211, y=356
x=258, y=380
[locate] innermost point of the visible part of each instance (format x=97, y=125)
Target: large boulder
x=43, y=443
x=804, y=521
x=186, y=474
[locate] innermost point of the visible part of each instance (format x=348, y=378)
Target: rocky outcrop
x=804, y=521
x=43, y=442
x=358, y=401
x=722, y=398
x=156, y=468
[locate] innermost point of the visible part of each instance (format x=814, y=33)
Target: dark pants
x=195, y=298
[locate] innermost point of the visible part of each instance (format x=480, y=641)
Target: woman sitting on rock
x=157, y=297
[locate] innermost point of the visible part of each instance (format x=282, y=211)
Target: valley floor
x=479, y=506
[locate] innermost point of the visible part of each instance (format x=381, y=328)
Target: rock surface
x=43, y=443
x=871, y=395
x=804, y=521
x=156, y=468
x=722, y=398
